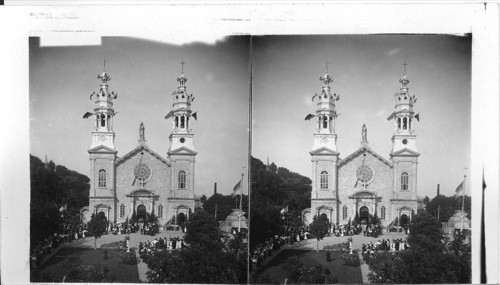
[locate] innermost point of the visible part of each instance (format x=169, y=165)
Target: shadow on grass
x=345, y=274
x=118, y=271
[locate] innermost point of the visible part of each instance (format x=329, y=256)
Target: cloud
x=393, y=51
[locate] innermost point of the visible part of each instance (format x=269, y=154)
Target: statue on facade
x=364, y=138
x=141, y=132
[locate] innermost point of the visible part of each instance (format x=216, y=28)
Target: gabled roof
x=102, y=149
x=323, y=151
x=139, y=148
x=183, y=150
x=405, y=152
x=359, y=152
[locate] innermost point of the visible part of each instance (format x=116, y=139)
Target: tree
x=425, y=232
x=97, y=227
x=203, y=231
x=319, y=228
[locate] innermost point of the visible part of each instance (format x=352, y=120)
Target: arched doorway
x=102, y=214
x=141, y=212
x=404, y=221
x=324, y=217
x=364, y=214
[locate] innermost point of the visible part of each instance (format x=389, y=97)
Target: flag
x=391, y=116
x=86, y=115
x=237, y=187
x=63, y=208
x=459, y=188
x=309, y=116
x=417, y=116
x=170, y=114
x=195, y=116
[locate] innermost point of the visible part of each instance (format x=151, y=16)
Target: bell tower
x=404, y=136
x=102, y=191
x=324, y=155
x=181, y=152
x=103, y=113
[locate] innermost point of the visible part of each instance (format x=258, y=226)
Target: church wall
x=182, y=163
x=381, y=186
x=158, y=184
x=102, y=162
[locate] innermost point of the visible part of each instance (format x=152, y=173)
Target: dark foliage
x=426, y=261
x=352, y=260
x=97, y=227
x=448, y=206
x=225, y=204
x=207, y=259
x=319, y=229
x=271, y=192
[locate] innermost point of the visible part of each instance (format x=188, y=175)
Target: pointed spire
x=327, y=79
x=404, y=80
x=182, y=79
x=104, y=77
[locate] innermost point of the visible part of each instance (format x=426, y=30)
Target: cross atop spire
x=104, y=60
x=182, y=78
x=182, y=63
x=404, y=67
x=326, y=65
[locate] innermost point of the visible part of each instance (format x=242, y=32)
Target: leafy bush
x=298, y=273
x=87, y=273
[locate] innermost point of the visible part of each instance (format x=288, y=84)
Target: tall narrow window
x=122, y=210
x=344, y=213
x=404, y=181
x=103, y=120
x=404, y=123
x=399, y=123
x=325, y=122
x=176, y=121
x=324, y=180
x=160, y=211
x=382, y=213
x=182, y=121
x=182, y=180
x=102, y=178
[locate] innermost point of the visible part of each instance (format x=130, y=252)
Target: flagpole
x=241, y=191
x=463, y=199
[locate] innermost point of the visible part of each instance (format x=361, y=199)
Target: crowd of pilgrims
x=160, y=244
x=384, y=245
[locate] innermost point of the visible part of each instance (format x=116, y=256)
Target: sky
x=366, y=70
x=144, y=76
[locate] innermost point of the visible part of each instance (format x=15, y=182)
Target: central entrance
x=363, y=214
x=141, y=212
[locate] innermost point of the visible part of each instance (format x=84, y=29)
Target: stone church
x=363, y=182
x=141, y=181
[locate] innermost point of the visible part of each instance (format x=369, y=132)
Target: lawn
x=53, y=270
x=345, y=274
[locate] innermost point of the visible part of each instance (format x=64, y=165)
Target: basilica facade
x=363, y=182
x=141, y=181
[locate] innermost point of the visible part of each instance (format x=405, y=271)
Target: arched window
x=404, y=181
x=382, y=213
x=102, y=178
x=399, y=123
x=122, y=210
x=182, y=180
x=103, y=120
x=344, y=213
x=324, y=180
x=404, y=123
x=176, y=121
x=160, y=211
x=325, y=122
x=182, y=121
